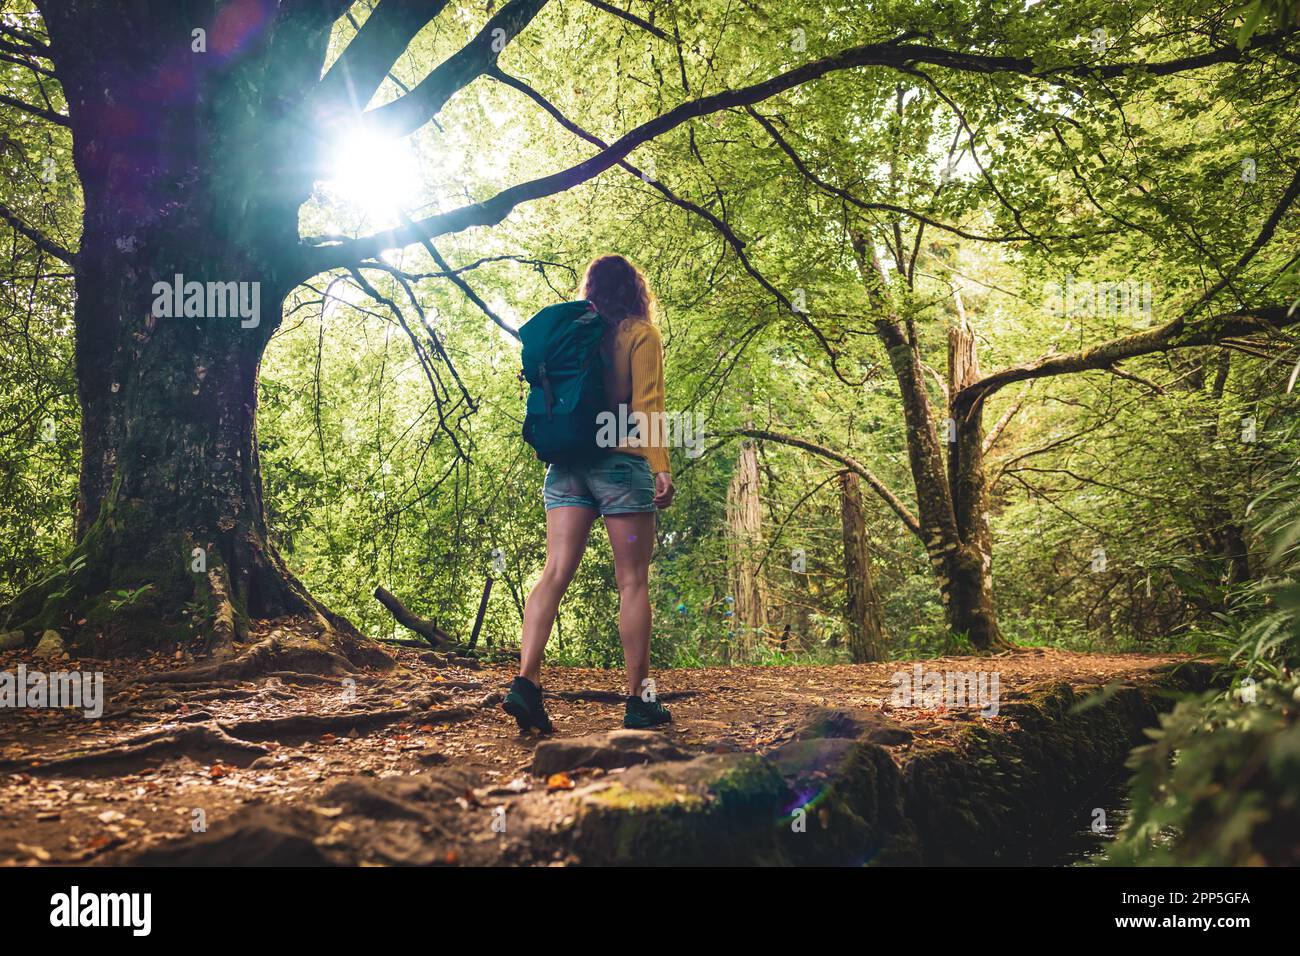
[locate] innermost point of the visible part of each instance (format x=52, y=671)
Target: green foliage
x=379, y=469
x=1219, y=784
x=124, y=598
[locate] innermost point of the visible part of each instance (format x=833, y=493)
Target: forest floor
x=292, y=767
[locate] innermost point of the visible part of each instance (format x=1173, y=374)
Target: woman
x=625, y=487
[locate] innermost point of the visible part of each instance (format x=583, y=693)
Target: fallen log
x=435, y=635
x=482, y=609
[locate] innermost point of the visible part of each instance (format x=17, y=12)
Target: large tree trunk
x=182, y=175
x=958, y=564
x=862, y=605
x=745, y=519
x=969, y=490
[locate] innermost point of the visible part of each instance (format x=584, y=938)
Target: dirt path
x=166, y=764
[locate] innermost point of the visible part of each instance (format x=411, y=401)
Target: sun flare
x=373, y=174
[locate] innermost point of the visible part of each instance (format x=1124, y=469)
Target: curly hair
x=617, y=289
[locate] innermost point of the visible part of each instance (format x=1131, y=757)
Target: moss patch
x=996, y=797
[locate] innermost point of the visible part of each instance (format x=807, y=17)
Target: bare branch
x=1165, y=338
x=474, y=59
x=435, y=635
x=1000, y=426
x=42, y=242
x=409, y=112
x=630, y=18
x=49, y=115
x=1172, y=335
x=459, y=282
x=720, y=225
x=848, y=197
x=362, y=66
x=830, y=454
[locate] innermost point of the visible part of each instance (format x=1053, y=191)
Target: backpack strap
x=546, y=387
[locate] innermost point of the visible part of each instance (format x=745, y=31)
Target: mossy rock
x=846, y=806
x=719, y=809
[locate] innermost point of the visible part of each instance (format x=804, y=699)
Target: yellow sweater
x=634, y=376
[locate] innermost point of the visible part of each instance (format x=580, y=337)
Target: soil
x=302, y=755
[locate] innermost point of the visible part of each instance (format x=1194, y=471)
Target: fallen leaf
x=559, y=781
x=39, y=852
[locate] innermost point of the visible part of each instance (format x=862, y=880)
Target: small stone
x=51, y=645
x=11, y=640
x=607, y=751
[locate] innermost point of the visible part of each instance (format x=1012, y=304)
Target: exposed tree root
x=238, y=741
x=298, y=726
x=277, y=655
x=226, y=623
x=206, y=738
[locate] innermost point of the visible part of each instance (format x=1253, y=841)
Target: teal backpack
x=564, y=371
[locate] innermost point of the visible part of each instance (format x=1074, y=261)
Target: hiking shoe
x=524, y=703
x=641, y=714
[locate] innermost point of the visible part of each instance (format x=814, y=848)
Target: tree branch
x=1166, y=338
x=477, y=57
x=409, y=112
x=1172, y=335
x=719, y=225
x=1000, y=426
x=830, y=454
x=40, y=111
x=824, y=186
x=360, y=69
x=630, y=18
x=38, y=238
x=422, y=626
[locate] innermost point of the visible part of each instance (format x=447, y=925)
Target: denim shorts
x=618, y=484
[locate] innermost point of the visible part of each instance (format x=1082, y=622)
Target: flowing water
x=1082, y=844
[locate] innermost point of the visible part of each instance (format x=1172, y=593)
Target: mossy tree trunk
x=967, y=481
x=862, y=603
x=745, y=520
x=189, y=167
x=952, y=541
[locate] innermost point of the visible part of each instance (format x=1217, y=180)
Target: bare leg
x=566, y=540
x=632, y=538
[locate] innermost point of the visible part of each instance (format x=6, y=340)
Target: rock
x=386, y=800
x=271, y=836
x=11, y=640
x=398, y=798
x=819, y=758
x=847, y=806
x=718, y=809
x=51, y=645
x=833, y=723
x=618, y=748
